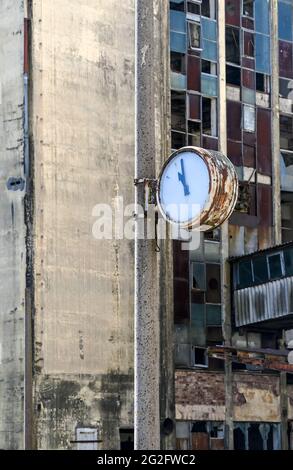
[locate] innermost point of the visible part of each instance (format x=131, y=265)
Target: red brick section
x=207, y=388
x=199, y=388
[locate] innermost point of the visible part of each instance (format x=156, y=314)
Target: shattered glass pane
x=194, y=35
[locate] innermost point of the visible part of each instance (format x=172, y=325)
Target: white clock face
x=184, y=187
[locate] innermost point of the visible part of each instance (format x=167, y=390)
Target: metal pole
x=146, y=322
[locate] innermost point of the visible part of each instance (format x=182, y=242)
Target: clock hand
x=182, y=179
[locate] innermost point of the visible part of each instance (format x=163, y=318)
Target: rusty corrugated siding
x=263, y=302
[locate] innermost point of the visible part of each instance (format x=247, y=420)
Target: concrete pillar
x=275, y=124
x=225, y=278
x=165, y=257
x=146, y=323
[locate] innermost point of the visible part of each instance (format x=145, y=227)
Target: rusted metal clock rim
x=219, y=204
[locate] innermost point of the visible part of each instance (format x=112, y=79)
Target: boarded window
x=87, y=438
x=265, y=209
x=234, y=150
x=248, y=118
x=234, y=120
x=264, y=149
x=194, y=107
x=248, y=44
x=193, y=78
x=249, y=156
x=248, y=79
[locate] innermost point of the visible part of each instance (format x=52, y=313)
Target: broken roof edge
x=234, y=259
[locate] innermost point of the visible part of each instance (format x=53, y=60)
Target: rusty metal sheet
x=263, y=302
x=234, y=152
x=264, y=145
x=264, y=199
x=200, y=441
x=233, y=12
x=234, y=120
x=193, y=73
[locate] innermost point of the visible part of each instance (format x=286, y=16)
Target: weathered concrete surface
x=12, y=227
x=83, y=126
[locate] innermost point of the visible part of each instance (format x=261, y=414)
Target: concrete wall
x=83, y=132
x=12, y=226
x=201, y=396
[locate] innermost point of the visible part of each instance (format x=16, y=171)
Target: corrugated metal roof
x=266, y=250
x=264, y=302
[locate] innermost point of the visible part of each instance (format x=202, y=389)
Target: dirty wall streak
x=12, y=227
x=82, y=113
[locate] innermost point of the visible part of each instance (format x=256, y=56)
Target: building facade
x=222, y=81
x=231, y=79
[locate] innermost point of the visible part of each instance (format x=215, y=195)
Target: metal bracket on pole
x=150, y=189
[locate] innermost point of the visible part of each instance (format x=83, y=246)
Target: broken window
x=232, y=45
x=178, y=140
x=208, y=67
x=198, y=325
x=248, y=118
x=248, y=8
x=126, y=439
x=198, y=276
x=260, y=269
x=286, y=132
x=208, y=8
x=178, y=107
x=178, y=62
x=193, y=8
x=181, y=283
x=287, y=216
x=288, y=261
x=194, y=35
x=245, y=278
x=194, y=130
x=248, y=44
x=233, y=75
x=285, y=88
x=256, y=436
x=264, y=141
x=209, y=116
x=178, y=5
x=213, y=283
x=275, y=266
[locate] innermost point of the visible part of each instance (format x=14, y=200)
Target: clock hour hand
x=182, y=179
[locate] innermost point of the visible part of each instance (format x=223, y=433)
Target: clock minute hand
x=182, y=179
